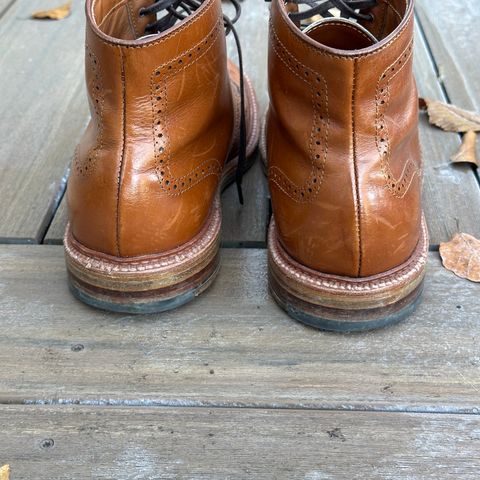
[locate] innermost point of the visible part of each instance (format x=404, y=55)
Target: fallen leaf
x=450, y=118
x=54, y=13
x=461, y=255
x=5, y=472
x=468, y=150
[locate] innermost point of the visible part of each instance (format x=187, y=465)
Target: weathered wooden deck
x=228, y=386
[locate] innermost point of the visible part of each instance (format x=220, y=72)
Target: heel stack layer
x=336, y=303
x=146, y=284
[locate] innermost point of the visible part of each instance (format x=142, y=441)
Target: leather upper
x=342, y=141
x=150, y=161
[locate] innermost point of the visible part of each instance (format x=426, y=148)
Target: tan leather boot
x=347, y=242
x=143, y=194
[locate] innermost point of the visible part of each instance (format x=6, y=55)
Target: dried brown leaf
x=5, y=472
x=450, y=118
x=468, y=150
x=57, y=13
x=461, y=255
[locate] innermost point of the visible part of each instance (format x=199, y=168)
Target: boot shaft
x=161, y=128
x=344, y=158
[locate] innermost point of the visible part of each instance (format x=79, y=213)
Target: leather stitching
x=398, y=187
x=122, y=155
x=318, y=143
x=344, y=25
x=394, y=9
x=297, y=37
x=381, y=25
x=110, y=12
x=177, y=31
x=170, y=184
x=358, y=213
x=205, y=240
x=398, y=275
x=131, y=18
x=87, y=165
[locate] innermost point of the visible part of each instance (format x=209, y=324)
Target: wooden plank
x=453, y=36
x=56, y=230
x=4, y=5
x=231, y=347
x=246, y=225
x=42, y=113
x=242, y=225
x=163, y=443
x=452, y=32
x=447, y=188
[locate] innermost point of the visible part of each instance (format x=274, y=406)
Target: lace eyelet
x=371, y=17
x=141, y=12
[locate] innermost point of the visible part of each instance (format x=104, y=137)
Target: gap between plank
x=48, y=218
x=452, y=410
x=54, y=206
x=253, y=244
x=7, y=8
x=432, y=59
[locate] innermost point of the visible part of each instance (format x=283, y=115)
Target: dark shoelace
x=178, y=10
x=347, y=8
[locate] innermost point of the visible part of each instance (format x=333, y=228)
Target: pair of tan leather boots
x=174, y=121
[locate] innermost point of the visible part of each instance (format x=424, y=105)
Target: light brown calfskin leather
x=149, y=164
x=343, y=149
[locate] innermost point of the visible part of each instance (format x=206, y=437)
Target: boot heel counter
x=390, y=174
x=93, y=184
x=150, y=162
x=91, y=210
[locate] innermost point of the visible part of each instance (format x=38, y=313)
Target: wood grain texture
x=231, y=347
x=137, y=378
x=452, y=32
x=446, y=187
x=42, y=114
x=242, y=225
x=59, y=443
x=56, y=230
x=247, y=225
x=4, y=6
x=453, y=36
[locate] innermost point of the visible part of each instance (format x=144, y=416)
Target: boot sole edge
x=342, y=304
